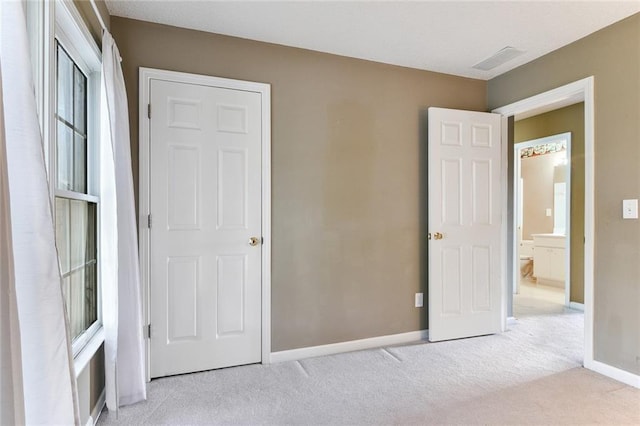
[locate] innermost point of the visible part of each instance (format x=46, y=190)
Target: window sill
x=83, y=358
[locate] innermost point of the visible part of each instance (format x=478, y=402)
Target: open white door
x=465, y=224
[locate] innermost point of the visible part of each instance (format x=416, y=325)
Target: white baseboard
x=97, y=410
x=350, y=346
x=614, y=373
x=577, y=306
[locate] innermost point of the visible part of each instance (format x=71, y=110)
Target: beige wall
x=96, y=368
x=612, y=56
x=538, y=179
x=568, y=119
x=348, y=174
x=90, y=18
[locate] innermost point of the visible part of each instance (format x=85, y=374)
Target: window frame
x=81, y=48
x=59, y=21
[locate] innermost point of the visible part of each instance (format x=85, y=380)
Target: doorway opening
x=570, y=94
x=543, y=214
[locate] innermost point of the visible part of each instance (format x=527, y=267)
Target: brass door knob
x=254, y=241
x=438, y=236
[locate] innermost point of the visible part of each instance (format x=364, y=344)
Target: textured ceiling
x=442, y=36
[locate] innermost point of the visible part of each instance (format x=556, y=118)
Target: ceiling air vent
x=498, y=58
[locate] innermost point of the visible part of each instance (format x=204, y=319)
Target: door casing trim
x=145, y=77
x=569, y=94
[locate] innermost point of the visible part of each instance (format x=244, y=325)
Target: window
x=66, y=68
x=75, y=208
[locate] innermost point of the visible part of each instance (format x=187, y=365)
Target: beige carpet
x=530, y=374
x=572, y=397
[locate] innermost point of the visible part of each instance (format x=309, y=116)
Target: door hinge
x=149, y=221
x=147, y=331
x=149, y=111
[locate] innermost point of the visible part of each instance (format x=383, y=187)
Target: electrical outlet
x=419, y=300
x=548, y=212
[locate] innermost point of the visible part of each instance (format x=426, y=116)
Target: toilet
x=526, y=258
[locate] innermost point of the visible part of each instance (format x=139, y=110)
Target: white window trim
x=61, y=20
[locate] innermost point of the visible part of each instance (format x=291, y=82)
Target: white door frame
x=517, y=162
x=145, y=77
x=572, y=93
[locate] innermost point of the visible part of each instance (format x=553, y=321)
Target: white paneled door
x=205, y=236
x=465, y=246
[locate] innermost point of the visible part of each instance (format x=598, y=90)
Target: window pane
x=92, y=232
x=80, y=164
x=76, y=310
x=80, y=101
x=72, y=124
x=91, y=294
x=64, y=150
x=65, y=86
x=62, y=233
x=91, y=269
x=78, y=233
x=66, y=292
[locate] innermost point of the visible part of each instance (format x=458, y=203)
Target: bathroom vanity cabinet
x=549, y=258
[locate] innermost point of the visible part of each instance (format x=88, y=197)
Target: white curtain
x=11, y=393
x=49, y=387
x=124, y=345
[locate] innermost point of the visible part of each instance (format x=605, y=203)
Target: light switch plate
x=419, y=300
x=548, y=212
x=630, y=209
